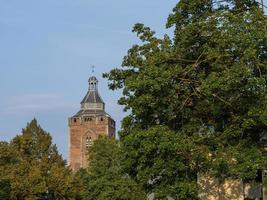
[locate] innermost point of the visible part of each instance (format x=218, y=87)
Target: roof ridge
x=95, y=96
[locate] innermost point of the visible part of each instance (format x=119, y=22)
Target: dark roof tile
x=92, y=96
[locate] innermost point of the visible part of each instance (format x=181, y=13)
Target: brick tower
x=85, y=127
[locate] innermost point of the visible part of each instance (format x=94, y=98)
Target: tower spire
x=92, y=99
x=93, y=69
x=93, y=83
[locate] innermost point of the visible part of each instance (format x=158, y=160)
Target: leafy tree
x=207, y=84
x=5, y=189
x=7, y=157
x=105, y=179
x=81, y=182
x=151, y=156
x=34, y=167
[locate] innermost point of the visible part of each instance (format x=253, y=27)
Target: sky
x=47, y=50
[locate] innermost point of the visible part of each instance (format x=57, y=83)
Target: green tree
x=105, y=179
x=34, y=167
x=5, y=189
x=207, y=84
x=7, y=157
x=160, y=161
x=81, y=182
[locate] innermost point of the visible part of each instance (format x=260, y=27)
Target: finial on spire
x=93, y=69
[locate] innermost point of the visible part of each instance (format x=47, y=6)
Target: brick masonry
x=87, y=125
x=82, y=132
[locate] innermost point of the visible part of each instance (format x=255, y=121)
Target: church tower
x=87, y=125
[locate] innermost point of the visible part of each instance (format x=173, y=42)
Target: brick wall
x=83, y=131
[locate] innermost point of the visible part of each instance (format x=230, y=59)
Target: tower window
x=101, y=119
x=87, y=119
x=74, y=120
x=88, y=142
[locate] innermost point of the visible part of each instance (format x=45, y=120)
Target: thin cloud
x=35, y=103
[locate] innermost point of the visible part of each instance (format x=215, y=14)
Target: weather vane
x=93, y=69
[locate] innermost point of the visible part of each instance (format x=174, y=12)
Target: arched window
x=88, y=142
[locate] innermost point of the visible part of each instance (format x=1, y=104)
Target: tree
x=105, y=179
x=81, y=182
x=207, y=84
x=34, y=168
x=6, y=159
x=159, y=160
x=5, y=189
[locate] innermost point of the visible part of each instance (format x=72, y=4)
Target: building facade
x=211, y=188
x=87, y=125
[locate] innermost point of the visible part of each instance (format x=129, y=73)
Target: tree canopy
x=207, y=85
x=31, y=167
x=105, y=179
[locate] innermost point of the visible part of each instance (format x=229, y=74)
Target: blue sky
x=47, y=48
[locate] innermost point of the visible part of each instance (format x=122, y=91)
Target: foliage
x=207, y=85
x=33, y=166
x=81, y=182
x=5, y=189
x=105, y=179
x=160, y=161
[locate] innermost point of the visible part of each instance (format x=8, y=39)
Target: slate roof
x=92, y=96
x=92, y=78
x=91, y=113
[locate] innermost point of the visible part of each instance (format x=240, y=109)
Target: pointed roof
x=92, y=103
x=92, y=96
x=92, y=78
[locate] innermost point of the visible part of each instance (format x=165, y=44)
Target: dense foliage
x=31, y=168
x=205, y=87
x=104, y=179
